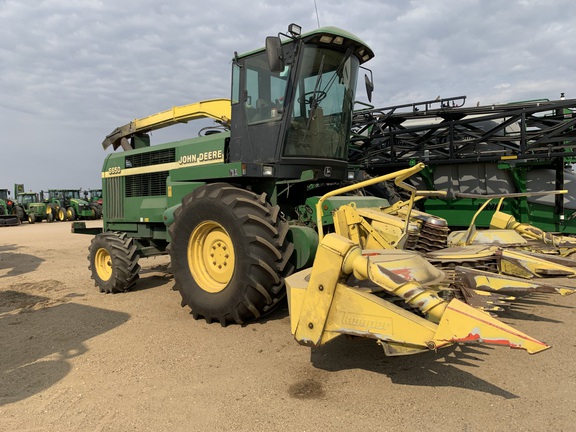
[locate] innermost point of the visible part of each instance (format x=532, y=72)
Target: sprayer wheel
x=229, y=254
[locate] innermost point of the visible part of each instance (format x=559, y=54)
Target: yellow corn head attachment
x=324, y=304
x=361, y=284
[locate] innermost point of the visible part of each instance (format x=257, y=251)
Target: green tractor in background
x=68, y=205
x=28, y=206
x=54, y=201
x=6, y=205
x=94, y=197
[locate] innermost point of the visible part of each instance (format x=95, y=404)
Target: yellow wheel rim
x=211, y=256
x=103, y=264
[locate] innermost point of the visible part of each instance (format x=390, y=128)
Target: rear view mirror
x=274, y=53
x=369, y=87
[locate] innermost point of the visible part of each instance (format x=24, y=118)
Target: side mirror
x=274, y=54
x=369, y=87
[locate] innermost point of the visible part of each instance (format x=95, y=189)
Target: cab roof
x=330, y=36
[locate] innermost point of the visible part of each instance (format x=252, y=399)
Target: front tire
x=95, y=213
x=229, y=254
x=113, y=262
x=50, y=213
x=61, y=214
x=70, y=214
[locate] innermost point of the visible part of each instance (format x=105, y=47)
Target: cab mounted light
x=267, y=171
x=295, y=30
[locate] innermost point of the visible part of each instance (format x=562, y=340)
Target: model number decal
x=114, y=170
x=204, y=157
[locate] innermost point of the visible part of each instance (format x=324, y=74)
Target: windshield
x=322, y=113
x=72, y=194
x=27, y=199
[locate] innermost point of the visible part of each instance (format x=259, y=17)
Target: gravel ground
x=73, y=359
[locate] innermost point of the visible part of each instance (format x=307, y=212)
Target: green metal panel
x=305, y=242
x=178, y=190
x=459, y=213
x=145, y=209
x=541, y=215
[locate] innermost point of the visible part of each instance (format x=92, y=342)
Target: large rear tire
x=113, y=262
x=19, y=212
x=229, y=254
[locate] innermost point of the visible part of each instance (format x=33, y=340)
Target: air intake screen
x=114, y=204
x=149, y=184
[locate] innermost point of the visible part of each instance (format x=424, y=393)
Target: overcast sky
x=73, y=70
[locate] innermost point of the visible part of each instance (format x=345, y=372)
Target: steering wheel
x=317, y=95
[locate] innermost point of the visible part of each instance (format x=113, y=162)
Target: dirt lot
x=73, y=359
